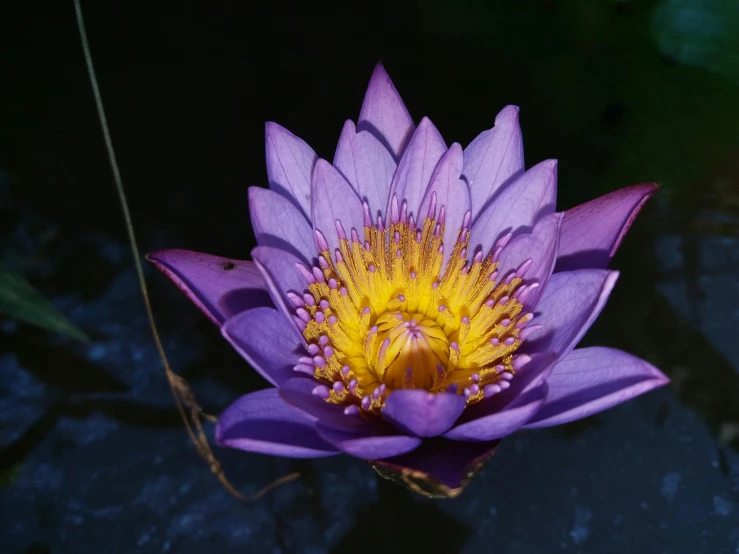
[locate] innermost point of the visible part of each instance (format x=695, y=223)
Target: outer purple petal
x=590, y=380
x=570, y=304
x=262, y=422
x=383, y=113
x=504, y=422
x=422, y=413
x=290, y=164
x=517, y=206
x=220, y=287
x=447, y=462
x=414, y=171
x=451, y=192
x=367, y=442
x=268, y=341
x=367, y=165
x=493, y=158
x=367, y=439
x=592, y=232
x=334, y=199
x=540, y=246
x=298, y=391
x=277, y=222
x=280, y=275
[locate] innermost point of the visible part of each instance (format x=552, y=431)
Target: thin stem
x=180, y=389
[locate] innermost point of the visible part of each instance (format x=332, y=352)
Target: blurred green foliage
x=20, y=300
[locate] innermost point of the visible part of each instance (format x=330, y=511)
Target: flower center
x=380, y=315
x=411, y=351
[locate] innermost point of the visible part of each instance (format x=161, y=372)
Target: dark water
x=94, y=458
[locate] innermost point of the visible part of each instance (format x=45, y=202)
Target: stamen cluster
x=392, y=312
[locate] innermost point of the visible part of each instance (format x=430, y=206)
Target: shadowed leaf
x=20, y=300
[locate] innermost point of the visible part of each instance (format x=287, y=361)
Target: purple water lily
x=412, y=303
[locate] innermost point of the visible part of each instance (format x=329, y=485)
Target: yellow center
x=379, y=315
x=411, y=351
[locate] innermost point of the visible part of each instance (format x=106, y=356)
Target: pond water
x=94, y=457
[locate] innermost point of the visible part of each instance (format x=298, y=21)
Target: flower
x=412, y=303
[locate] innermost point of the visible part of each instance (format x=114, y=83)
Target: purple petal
x=500, y=424
x=517, y=206
x=367, y=165
x=592, y=232
x=278, y=223
x=569, y=306
x=451, y=192
x=437, y=462
x=267, y=340
x=370, y=442
x=526, y=379
x=384, y=115
x=494, y=158
x=262, y=422
x=531, y=376
x=365, y=438
x=290, y=164
x=220, y=287
x=334, y=200
x=414, y=171
x=422, y=413
x=298, y=392
x=540, y=246
x=590, y=380
x=280, y=275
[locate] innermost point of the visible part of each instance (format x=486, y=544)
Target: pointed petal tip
x=333, y=199
x=493, y=158
x=611, y=280
x=646, y=190
x=380, y=79
x=550, y=164
x=155, y=256
x=275, y=130
x=250, y=194
x=321, y=170
x=349, y=127
x=592, y=379
x=509, y=113
x=384, y=114
x=270, y=128
x=379, y=70
x=425, y=122
x=160, y=258
x=220, y=287
x=547, y=169
x=660, y=378
x=166, y=255
x=652, y=188
x=321, y=167
x=592, y=232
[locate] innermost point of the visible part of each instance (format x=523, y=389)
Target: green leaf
x=20, y=300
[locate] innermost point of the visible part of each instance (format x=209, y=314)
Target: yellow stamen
x=391, y=320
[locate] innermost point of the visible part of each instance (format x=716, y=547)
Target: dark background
x=94, y=458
